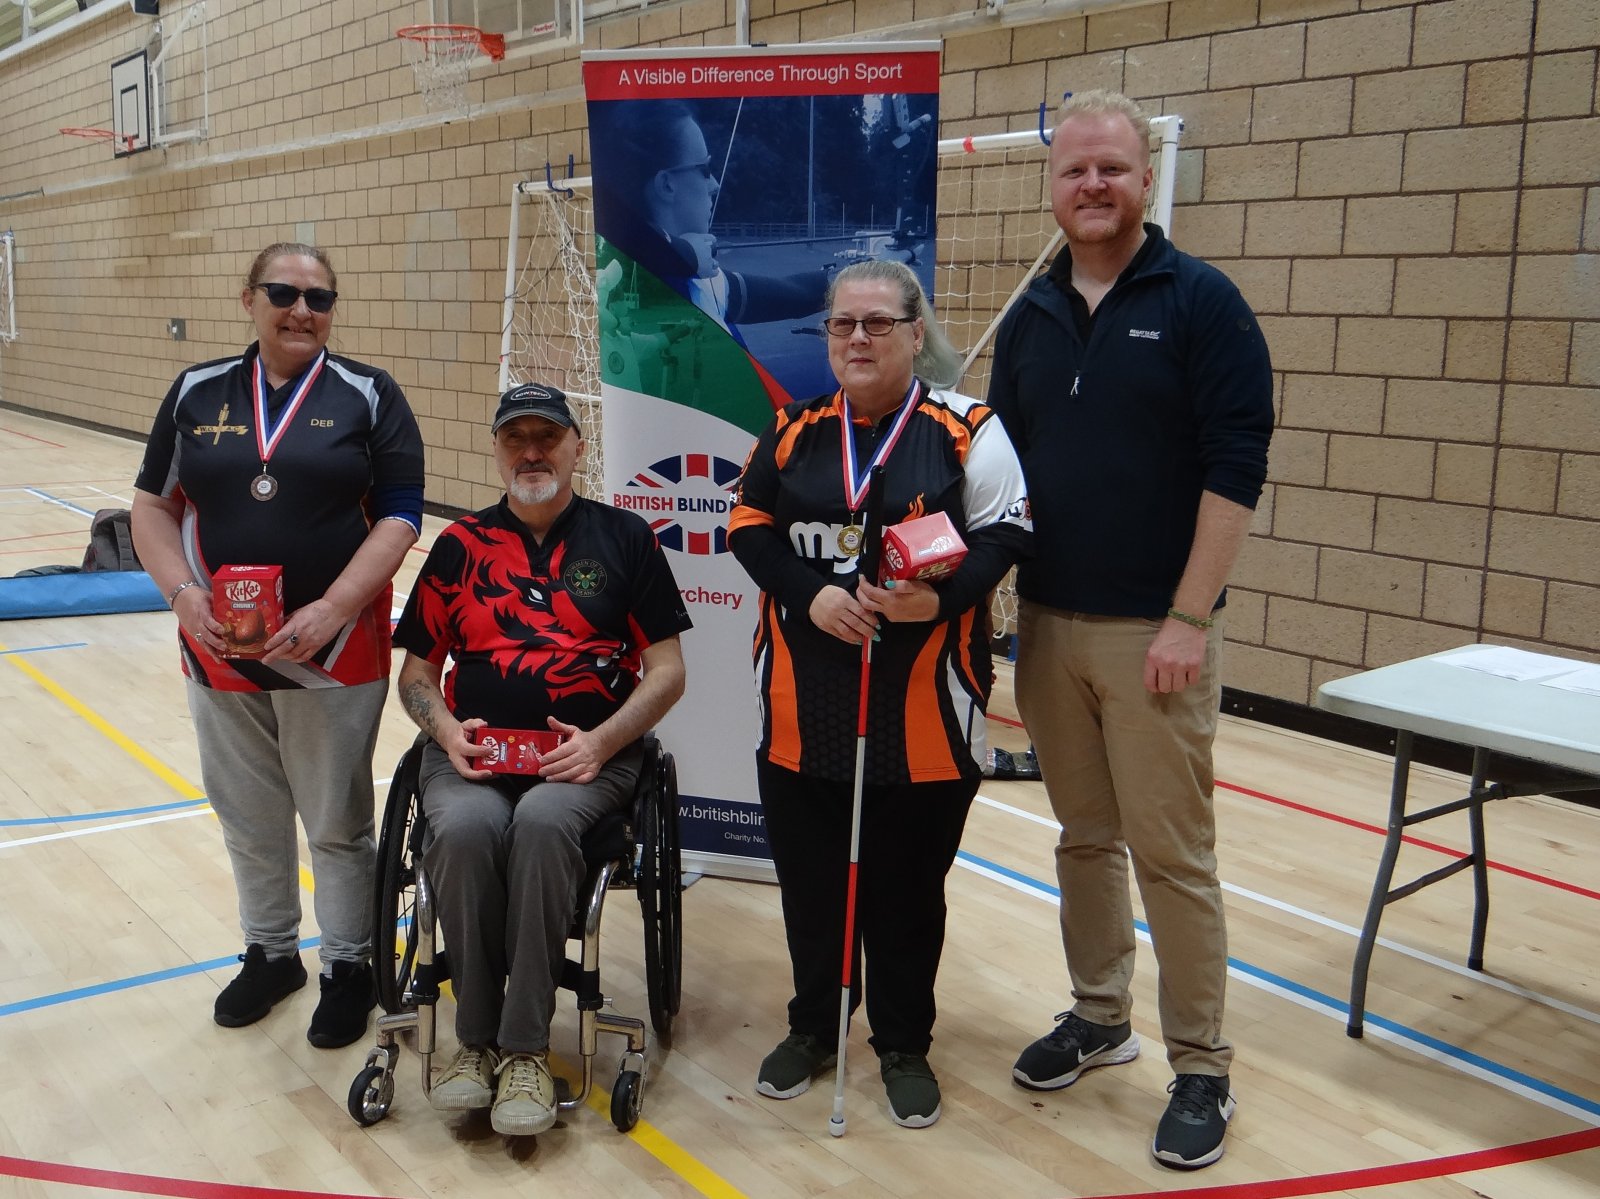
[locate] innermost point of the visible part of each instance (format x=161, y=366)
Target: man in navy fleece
x=1135, y=384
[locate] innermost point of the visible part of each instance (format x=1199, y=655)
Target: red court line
x=1365, y=826
x=1447, y=850
x=1378, y=1176
x=151, y=1184
x=77, y=532
x=31, y=437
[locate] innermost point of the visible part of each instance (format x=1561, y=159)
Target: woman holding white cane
x=798, y=529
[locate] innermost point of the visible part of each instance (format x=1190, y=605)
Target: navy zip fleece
x=1171, y=396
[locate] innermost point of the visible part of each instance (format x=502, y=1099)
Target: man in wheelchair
x=548, y=603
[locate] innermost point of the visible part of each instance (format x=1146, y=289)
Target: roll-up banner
x=729, y=184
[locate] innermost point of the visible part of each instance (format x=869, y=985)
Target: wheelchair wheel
x=660, y=886
x=395, y=899
x=370, y=1096
x=627, y=1098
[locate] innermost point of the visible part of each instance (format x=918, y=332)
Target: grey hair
x=938, y=362
x=1099, y=102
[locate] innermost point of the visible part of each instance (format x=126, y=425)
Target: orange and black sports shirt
x=930, y=680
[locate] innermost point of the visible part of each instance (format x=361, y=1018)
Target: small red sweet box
x=924, y=548
x=514, y=751
x=248, y=602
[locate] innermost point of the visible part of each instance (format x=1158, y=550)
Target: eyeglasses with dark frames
x=876, y=326
x=283, y=295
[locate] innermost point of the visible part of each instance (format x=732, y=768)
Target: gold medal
x=850, y=538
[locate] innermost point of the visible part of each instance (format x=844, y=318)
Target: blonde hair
x=1101, y=102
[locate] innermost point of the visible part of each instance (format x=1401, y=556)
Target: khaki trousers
x=1129, y=774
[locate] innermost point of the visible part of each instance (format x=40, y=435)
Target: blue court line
x=48, y=498
x=31, y=821
x=126, y=984
x=1337, y=1006
x=39, y=649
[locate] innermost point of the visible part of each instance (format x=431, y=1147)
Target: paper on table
x=1585, y=679
x=1511, y=663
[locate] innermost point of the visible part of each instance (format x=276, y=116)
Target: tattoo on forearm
x=420, y=705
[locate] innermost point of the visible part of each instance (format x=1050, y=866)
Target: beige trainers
x=525, y=1101
x=467, y=1083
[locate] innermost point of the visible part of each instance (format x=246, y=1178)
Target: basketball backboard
x=130, y=104
x=536, y=23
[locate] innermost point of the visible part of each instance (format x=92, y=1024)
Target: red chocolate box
x=924, y=548
x=248, y=602
x=514, y=751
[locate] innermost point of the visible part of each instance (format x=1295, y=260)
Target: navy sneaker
x=1190, y=1134
x=1056, y=1059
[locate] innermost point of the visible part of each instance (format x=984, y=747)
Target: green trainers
x=913, y=1090
x=788, y=1070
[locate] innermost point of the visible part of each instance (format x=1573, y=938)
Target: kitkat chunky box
x=513, y=751
x=924, y=548
x=248, y=602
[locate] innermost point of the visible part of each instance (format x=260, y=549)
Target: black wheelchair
x=636, y=850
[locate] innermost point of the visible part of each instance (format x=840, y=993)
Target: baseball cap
x=534, y=399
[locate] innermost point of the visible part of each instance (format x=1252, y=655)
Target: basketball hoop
x=103, y=135
x=440, y=56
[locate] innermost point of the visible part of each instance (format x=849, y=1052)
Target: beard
x=534, y=487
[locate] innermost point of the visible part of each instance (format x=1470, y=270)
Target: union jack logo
x=686, y=499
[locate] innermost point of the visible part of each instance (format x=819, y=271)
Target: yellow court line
x=646, y=1136
x=121, y=740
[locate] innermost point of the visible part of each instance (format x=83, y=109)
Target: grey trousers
x=266, y=756
x=505, y=871
x=1129, y=773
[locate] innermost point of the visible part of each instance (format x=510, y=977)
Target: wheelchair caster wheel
x=370, y=1095
x=627, y=1097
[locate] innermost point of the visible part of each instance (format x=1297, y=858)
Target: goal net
x=995, y=234
x=8, y=299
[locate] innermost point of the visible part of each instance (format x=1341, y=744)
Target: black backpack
x=111, y=542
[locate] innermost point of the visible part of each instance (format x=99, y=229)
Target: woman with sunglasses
x=287, y=456
x=797, y=528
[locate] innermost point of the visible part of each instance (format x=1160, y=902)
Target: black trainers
x=912, y=1089
x=788, y=1070
x=1056, y=1059
x=341, y=1015
x=1190, y=1134
x=254, y=990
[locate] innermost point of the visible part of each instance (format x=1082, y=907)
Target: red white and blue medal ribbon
x=856, y=479
x=268, y=435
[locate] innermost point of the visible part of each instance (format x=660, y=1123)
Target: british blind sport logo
x=686, y=499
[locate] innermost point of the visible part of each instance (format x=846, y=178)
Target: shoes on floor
x=348, y=995
x=1190, y=1133
x=258, y=986
x=788, y=1070
x=1056, y=1059
x=467, y=1083
x=913, y=1090
x=525, y=1097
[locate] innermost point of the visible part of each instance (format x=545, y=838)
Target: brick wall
x=1409, y=194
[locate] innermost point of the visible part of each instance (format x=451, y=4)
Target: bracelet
x=172, y=596
x=1193, y=621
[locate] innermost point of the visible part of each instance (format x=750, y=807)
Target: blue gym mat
x=91, y=593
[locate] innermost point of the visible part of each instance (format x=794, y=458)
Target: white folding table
x=1436, y=698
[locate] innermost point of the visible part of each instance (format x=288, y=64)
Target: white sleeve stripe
x=362, y=384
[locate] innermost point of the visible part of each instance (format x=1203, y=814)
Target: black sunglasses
x=283, y=295
x=876, y=326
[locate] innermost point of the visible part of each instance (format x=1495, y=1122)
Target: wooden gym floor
x=119, y=927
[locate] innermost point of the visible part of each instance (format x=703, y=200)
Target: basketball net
x=441, y=56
